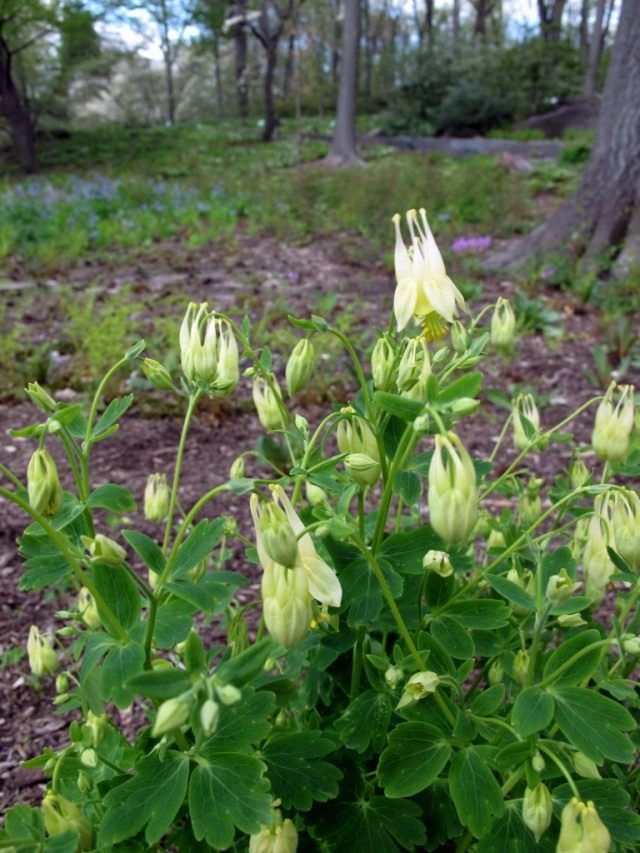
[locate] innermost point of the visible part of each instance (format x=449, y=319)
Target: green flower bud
x=62, y=683
x=172, y=714
x=526, y=421
x=579, y=474
x=104, y=550
x=89, y=758
x=61, y=815
x=354, y=435
x=453, y=496
x=278, y=538
x=41, y=398
x=362, y=468
x=538, y=762
x=268, y=403
x=228, y=694
x=459, y=337
x=208, y=351
x=560, y=587
x=96, y=724
x=529, y=509
x=503, y=326
x=537, y=809
x=631, y=644
x=421, y=424
x=585, y=767
x=414, y=370
x=236, y=472
x=302, y=425
x=157, y=374
x=625, y=524
x=156, y=498
x=613, y=425
x=438, y=562
x=280, y=838
x=581, y=830
x=419, y=685
x=43, y=483
x=521, y=667
x=315, y=495
x=464, y=406
x=495, y=539
x=496, y=673
x=393, y=676
x=84, y=782
x=570, y=620
x=42, y=658
x=209, y=716
x=382, y=364
x=300, y=366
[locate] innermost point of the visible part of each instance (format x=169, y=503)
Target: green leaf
x=480, y=613
x=414, y=758
x=44, y=563
x=365, y=720
x=400, y=407
x=112, y=497
x=242, y=668
x=583, y=667
x=70, y=510
x=136, y=349
x=227, y=792
x=241, y=725
x=150, y=799
x=297, y=776
x=408, y=486
x=114, y=411
x=404, y=551
x=173, y=622
x=468, y=385
x=149, y=551
x=456, y=639
x=117, y=587
x=510, y=834
x=553, y=563
x=511, y=591
x=23, y=828
x=488, y=701
x=121, y=664
x=199, y=544
x=532, y=711
x=475, y=791
x=212, y=593
x=513, y=754
x=160, y=684
x=361, y=590
x=594, y=724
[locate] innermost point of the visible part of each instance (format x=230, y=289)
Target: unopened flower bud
x=414, y=370
x=521, y=667
x=157, y=374
x=280, y=838
x=625, y=524
x=438, y=562
x=209, y=716
x=156, y=498
x=585, y=767
x=503, y=326
x=42, y=658
x=538, y=762
x=61, y=815
x=459, y=337
x=453, y=496
x=570, y=620
x=419, y=685
x=96, y=724
x=42, y=399
x=302, y=425
x=579, y=474
x=560, y=587
x=89, y=758
x=537, y=809
x=393, y=676
x=529, y=509
x=496, y=673
x=421, y=424
x=362, y=468
x=382, y=364
x=172, y=714
x=354, y=435
x=43, y=483
x=464, y=406
x=278, y=538
x=315, y=495
x=87, y=609
x=236, y=472
x=495, y=539
x=300, y=366
x=526, y=421
x=268, y=403
x=613, y=425
x=62, y=683
x=581, y=829
x=208, y=351
x=83, y=782
x=104, y=550
x=631, y=644
x=228, y=694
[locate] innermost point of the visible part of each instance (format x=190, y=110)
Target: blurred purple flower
x=548, y=273
x=471, y=245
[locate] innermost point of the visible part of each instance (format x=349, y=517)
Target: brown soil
x=265, y=269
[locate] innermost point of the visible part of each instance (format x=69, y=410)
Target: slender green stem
x=356, y=664
x=12, y=477
x=535, y=643
x=561, y=767
x=361, y=512
x=406, y=443
x=500, y=439
x=193, y=401
x=307, y=453
x=601, y=644
x=59, y=540
x=362, y=381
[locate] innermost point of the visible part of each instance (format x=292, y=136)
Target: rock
x=515, y=163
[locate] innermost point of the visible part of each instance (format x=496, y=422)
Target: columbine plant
x=418, y=673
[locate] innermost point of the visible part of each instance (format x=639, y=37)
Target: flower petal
x=404, y=302
x=323, y=582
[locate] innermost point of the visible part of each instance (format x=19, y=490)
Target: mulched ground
x=265, y=269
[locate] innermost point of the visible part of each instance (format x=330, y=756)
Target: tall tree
x=210, y=15
x=22, y=23
x=604, y=9
x=604, y=213
x=550, y=15
x=343, y=145
x=236, y=27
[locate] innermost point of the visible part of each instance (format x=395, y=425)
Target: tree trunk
x=15, y=111
x=428, y=21
x=335, y=47
x=550, y=14
x=343, y=146
x=218, y=76
x=605, y=209
x=368, y=52
x=170, y=90
x=270, y=120
x=595, y=52
x=455, y=15
x=240, y=63
x=288, y=66
x=584, y=31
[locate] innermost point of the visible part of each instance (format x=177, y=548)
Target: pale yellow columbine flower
x=423, y=286
x=581, y=829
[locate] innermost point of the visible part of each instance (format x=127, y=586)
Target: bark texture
x=343, y=146
x=15, y=110
x=604, y=213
